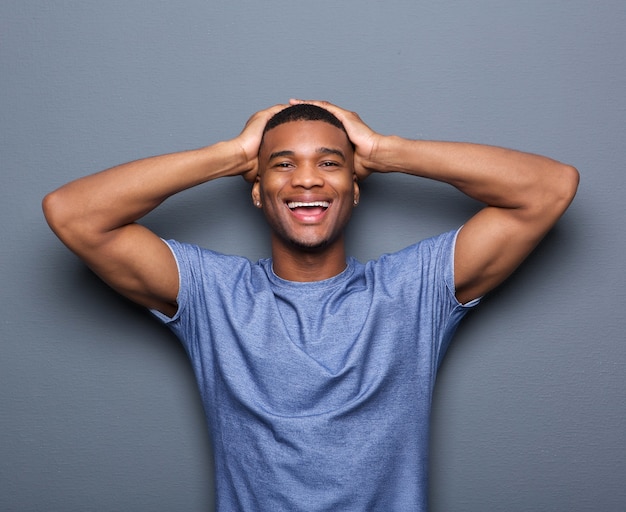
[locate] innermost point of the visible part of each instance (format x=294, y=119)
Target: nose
x=307, y=175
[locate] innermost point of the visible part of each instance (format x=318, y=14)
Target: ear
x=357, y=191
x=256, y=193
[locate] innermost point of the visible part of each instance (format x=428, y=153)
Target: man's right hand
x=250, y=139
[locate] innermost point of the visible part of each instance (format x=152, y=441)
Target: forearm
x=121, y=195
x=495, y=176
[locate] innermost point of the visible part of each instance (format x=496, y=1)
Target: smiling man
x=316, y=371
x=307, y=188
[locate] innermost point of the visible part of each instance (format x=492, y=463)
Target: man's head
x=306, y=183
x=302, y=112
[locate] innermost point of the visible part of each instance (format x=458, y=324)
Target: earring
x=258, y=204
x=356, y=202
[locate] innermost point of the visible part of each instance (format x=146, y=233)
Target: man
x=316, y=371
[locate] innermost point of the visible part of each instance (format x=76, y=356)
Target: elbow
x=552, y=196
x=72, y=220
x=51, y=206
x=569, y=180
x=557, y=194
x=59, y=214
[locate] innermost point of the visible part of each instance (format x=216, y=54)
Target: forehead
x=303, y=135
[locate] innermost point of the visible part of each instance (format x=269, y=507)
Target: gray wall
x=98, y=407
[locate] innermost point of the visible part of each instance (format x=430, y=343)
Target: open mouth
x=308, y=208
x=311, y=204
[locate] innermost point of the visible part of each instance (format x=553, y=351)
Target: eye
x=329, y=163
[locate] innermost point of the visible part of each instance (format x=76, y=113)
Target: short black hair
x=303, y=112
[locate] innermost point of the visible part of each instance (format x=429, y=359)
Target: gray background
x=98, y=407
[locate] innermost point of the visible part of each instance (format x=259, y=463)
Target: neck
x=302, y=265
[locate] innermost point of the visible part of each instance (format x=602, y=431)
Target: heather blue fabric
x=318, y=394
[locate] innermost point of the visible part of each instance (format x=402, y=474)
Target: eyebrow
x=322, y=151
x=330, y=151
x=279, y=154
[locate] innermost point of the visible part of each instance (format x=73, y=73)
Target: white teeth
x=298, y=204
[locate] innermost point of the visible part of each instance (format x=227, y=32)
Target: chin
x=310, y=245
x=307, y=242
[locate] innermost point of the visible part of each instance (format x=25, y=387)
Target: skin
x=524, y=196
x=306, y=162
x=95, y=216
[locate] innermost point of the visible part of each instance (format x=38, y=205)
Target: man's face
x=306, y=184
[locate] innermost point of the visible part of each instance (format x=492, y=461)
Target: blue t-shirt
x=318, y=394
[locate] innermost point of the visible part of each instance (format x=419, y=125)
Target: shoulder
x=430, y=251
x=198, y=254
x=197, y=264
x=427, y=267
x=207, y=277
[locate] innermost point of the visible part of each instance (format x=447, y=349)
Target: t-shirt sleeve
x=447, y=259
x=422, y=277
x=452, y=311
x=205, y=278
x=182, y=264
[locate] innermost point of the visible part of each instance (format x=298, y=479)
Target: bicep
x=490, y=246
x=138, y=264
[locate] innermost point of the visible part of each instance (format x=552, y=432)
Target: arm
x=524, y=196
x=96, y=216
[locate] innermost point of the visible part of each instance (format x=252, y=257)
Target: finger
x=319, y=103
x=277, y=108
x=250, y=176
x=271, y=111
x=259, y=119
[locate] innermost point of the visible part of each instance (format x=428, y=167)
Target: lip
x=308, y=210
x=308, y=204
